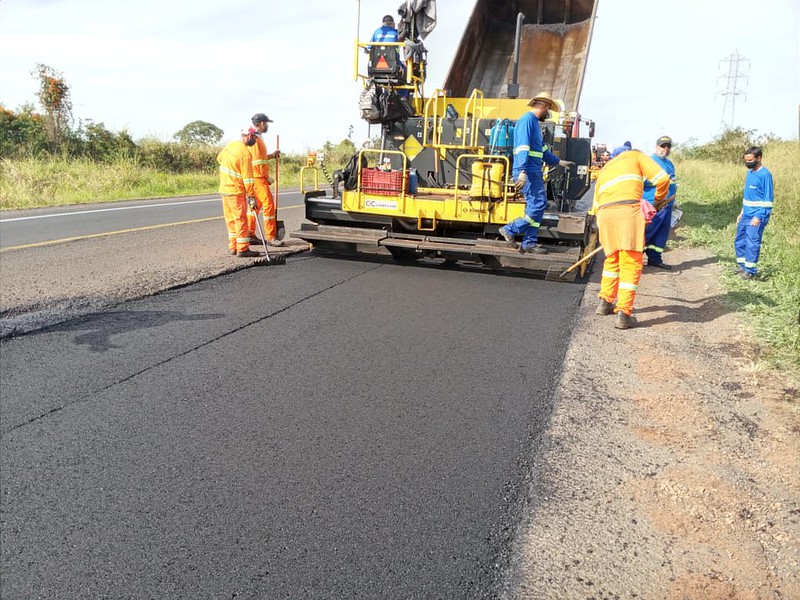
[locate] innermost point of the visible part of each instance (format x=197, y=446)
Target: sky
x=151, y=67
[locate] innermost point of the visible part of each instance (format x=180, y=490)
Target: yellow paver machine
x=438, y=184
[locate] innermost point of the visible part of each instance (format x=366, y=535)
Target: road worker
x=657, y=231
x=755, y=213
x=529, y=152
x=618, y=191
x=263, y=195
x=236, y=184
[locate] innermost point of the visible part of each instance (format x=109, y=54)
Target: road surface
x=324, y=429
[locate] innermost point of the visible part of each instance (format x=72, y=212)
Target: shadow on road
x=102, y=328
x=703, y=310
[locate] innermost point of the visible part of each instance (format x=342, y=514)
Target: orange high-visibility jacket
x=236, y=170
x=622, y=179
x=259, y=154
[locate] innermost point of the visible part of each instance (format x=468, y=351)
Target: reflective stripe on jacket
x=622, y=178
x=529, y=147
x=236, y=170
x=259, y=154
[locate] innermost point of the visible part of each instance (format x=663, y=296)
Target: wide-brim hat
x=547, y=99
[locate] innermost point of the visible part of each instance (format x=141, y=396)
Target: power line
x=737, y=64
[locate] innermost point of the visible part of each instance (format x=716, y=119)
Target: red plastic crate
x=383, y=183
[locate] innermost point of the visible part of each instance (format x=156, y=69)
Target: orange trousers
x=235, y=210
x=263, y=200
x=622, y=271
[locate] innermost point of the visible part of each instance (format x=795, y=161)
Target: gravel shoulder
x=670, y=468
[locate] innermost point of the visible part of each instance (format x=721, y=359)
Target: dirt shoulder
x=670, y=469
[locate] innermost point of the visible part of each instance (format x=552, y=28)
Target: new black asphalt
x=322, y=429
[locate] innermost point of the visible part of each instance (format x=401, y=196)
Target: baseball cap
x=664, y=139
x=260, y=118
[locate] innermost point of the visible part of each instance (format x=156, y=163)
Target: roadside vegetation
x=711, y=186
x=47, y=158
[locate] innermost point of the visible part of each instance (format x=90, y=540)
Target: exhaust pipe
x=513, y=86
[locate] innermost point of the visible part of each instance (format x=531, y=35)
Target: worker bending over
x=263, y=195
x=236, y=183
x=529, y=152
x=617, y=196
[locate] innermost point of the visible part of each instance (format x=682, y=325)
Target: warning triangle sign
x=382, y=64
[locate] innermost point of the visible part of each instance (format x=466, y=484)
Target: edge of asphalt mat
x=665, y=471
x=41, y=313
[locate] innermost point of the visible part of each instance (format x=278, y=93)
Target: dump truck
x=439, y=185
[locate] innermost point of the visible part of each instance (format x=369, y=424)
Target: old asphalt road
x=323, y=429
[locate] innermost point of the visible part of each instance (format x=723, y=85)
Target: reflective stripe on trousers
x=235, y=210
x=263, y=199
x=535, y=204
x=621, y=273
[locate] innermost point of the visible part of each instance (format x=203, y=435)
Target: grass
x=710, y=195
x=32, y=183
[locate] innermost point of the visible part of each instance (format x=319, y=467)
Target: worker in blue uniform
x=386, y=32
x=756, y=210
x=657, y=231
x=529, y=153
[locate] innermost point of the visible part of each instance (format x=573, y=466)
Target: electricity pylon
x=737, y=64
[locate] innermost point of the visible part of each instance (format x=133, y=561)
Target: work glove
x=251, y=202
x=659, y=204
x=566, y=164
x=522, y=179
x=276, y=154
x=270, y=180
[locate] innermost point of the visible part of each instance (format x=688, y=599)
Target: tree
x=199, y=133
x=54, y=96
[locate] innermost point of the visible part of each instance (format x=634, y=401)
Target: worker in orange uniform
x=263, y=180
x=618, y=192
x=236, y=183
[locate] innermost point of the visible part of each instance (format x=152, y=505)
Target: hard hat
x=547, y=99
x=260, y=118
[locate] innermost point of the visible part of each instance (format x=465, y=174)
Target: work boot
x=248, y=254
x=624, y=321
x=604, y=307
x=253, y=240
x=508, y=238
x=275, y=242
x=746, y=275
x=535, y=249
x=232, y=252
x=660, y=265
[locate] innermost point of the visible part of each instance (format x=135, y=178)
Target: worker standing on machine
x=656, y=233
x=617, y=197
x=263, y=196
x=529, y=152
x=236, y=183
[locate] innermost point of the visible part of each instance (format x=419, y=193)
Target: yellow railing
x=303, y=178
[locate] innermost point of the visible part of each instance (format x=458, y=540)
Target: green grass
x=32, y=183
x=710, y=195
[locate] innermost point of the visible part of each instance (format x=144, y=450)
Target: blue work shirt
x=649, y=191
x=529, y=147
x=758, y=194
x=384, y=33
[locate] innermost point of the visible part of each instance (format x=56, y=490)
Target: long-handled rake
x=555, y=274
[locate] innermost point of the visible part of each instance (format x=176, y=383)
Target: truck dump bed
x=553, y=50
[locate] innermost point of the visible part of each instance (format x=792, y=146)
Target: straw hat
x=546, y=99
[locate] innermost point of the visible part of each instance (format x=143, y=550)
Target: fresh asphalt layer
x=322, y=429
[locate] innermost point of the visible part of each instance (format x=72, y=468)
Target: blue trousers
x=747, y=243
x=656, y=234
x=535, y=204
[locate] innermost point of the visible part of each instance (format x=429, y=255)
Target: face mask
x=750, y=164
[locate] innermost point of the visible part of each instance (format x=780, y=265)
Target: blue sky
x=152, y=67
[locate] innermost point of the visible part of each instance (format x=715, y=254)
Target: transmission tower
x=737, y=64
